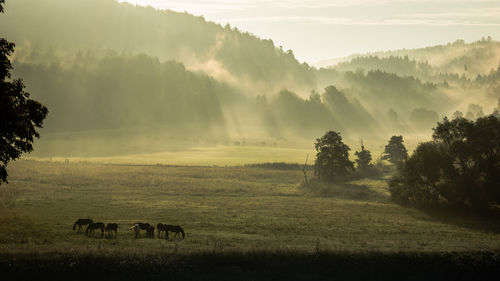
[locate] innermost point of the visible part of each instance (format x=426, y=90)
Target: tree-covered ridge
x=123, y=92
x=403, y=66
x=223, y=52
x=457, y=58
x=127, y=67
x=118, y=91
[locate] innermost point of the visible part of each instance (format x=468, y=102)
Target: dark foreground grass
x=257, y=265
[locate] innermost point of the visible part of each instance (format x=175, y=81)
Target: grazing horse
x=142, y=226
x=81, y=222
x=150, y=232
x=175, y=229
x=136, y=226
x=93, y=226
x=112, y=227
x=161, y=229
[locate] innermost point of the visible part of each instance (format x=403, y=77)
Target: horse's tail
x=87, y=230
x=182, y=231
x=74, y=225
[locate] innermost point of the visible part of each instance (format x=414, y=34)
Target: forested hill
x=225, y=53
x=456, y=58
x=112, y=73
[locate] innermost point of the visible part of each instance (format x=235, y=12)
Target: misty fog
x=124, y=79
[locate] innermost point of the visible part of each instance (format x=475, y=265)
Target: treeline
x=394, y=101
x=117, y=91
x=72, y=26
x=403, y=66
x=123, y=92
x=104, y=65
x=110, y=90
x=459, y=57
x=287, y=113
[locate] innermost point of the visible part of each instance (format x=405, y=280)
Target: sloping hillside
x=223, y=52
x=468, y=59
x=111, y=72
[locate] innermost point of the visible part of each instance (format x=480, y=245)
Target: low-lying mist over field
x=120, y=79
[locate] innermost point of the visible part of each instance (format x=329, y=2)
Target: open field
x=223, y=210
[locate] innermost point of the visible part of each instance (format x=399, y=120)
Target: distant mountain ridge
x=479, y=57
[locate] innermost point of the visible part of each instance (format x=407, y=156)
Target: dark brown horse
x=110, y=227
x=80, y=223
x=161, y=229
x=142, y=226
x=136, y=226
x=93, y=226
x=176, y=229
x=150, y=232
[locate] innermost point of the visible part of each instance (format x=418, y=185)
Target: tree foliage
x=395, y=151
x=460, y=167
x=19, y=115
x=165, y=34
x=364, y=157
x=332, y=157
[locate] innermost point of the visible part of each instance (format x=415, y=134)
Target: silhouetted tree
x=417, y=177
x=461, y=166
x=363, y=159
x=395, y=151
x=332, y=157
x=19, y=115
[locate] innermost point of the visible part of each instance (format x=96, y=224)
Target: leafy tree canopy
x=19, y=115
x=332, y=157
x=364, y=157
x=460, y=167
x=395, y=151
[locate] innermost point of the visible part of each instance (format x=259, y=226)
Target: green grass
x=242, y=223
x=221, y=209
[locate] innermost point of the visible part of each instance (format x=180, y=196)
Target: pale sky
x=323, y=29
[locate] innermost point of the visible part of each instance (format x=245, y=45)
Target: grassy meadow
x=223, y=210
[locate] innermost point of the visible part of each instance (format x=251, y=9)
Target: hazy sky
x=323, y=29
